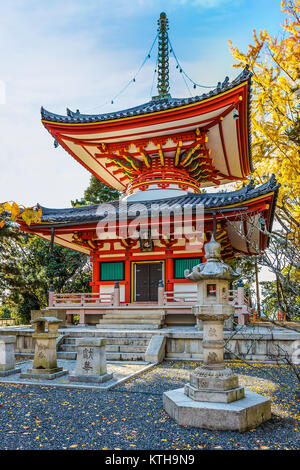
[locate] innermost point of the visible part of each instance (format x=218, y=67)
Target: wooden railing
x=80, y=299
x=236, y=298
x=7, y=321
x=185, y=297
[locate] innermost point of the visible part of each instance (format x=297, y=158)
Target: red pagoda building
x=160, y=154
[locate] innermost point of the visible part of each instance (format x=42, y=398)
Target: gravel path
x=131, y=415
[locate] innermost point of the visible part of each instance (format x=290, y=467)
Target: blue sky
x=80, y=53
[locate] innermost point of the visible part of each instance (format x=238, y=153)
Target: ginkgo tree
x=274, y=63
x=14, y=212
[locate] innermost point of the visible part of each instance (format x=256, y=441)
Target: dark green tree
x=28, y=268
x=96, y=193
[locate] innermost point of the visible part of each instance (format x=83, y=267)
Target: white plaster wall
x=109, y=289
x=186, y=287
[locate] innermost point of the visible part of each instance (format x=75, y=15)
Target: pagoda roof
x=210, y=201
x=200, y=141
x=152, y=106
x=231, y=207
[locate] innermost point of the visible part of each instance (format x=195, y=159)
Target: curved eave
x=150, y=108
x=79, y=136
x=263, y=198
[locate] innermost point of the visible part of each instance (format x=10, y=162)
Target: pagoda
x=162, y=153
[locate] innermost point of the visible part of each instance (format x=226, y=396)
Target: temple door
x=147, y=277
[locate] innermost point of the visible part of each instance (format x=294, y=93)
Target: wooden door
x=147, y=276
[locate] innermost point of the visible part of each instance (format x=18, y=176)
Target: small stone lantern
x=45, y=359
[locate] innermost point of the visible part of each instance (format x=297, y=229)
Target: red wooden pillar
x=128, y=281
x=96, y=277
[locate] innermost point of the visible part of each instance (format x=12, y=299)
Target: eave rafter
x=137, y=158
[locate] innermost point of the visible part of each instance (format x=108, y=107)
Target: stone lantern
x=45, y=358
x=213, y=278
x=213, y=399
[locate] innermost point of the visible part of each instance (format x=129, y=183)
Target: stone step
x=110, y=334
x=133, y=321
x=66, y=354
x=129, y=349
x=136, y=315
x=128, y=326
x=128, y=341
x=137, y=311
x=110, y=356
x=71, y=342
x=114, y=356
x=67, y=347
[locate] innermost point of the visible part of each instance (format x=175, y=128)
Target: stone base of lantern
x=48, y=374
x=90, y=378
x=241, y=415
x=5, y=373
x=214, y=396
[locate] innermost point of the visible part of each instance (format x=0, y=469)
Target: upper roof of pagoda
x=196, y=142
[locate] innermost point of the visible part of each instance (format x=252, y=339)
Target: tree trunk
x=257, y=290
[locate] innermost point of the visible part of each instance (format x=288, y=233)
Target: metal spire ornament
x=163, y=58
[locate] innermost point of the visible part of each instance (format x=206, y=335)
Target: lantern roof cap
x=213, y=268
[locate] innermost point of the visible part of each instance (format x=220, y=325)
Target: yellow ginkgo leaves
x=15, y=212
x=274, y=63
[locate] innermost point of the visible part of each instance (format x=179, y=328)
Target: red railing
x=184, y=297
x=80, y=299
x=237, y=298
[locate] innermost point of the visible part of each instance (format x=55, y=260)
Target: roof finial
x=163, y=56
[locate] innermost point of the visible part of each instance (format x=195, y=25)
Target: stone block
x=90, y=379
x=91, y=361
x=214, y=396
x=5, y=373
x=155, y=352
x=214, y=383
x=48, y=374
x=7, y=353
x=240, y=415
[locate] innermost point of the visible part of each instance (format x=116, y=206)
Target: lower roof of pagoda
x=238, y=211
x=197, y=142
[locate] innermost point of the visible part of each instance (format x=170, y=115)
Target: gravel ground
x=131, y=416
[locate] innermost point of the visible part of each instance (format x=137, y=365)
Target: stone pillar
x=7, y=356
x=240, y=293
x=160, y=294
x=51, y=297
x=116, y=294
x=91, y=361
x=82, y=317
x=243, y=316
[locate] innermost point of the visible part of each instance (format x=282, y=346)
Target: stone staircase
x=122, y=346
x=143, y=318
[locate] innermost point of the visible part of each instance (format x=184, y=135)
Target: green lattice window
x=181, y=264
x=112, y=271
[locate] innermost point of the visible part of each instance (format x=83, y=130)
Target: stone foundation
x=241, y=415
